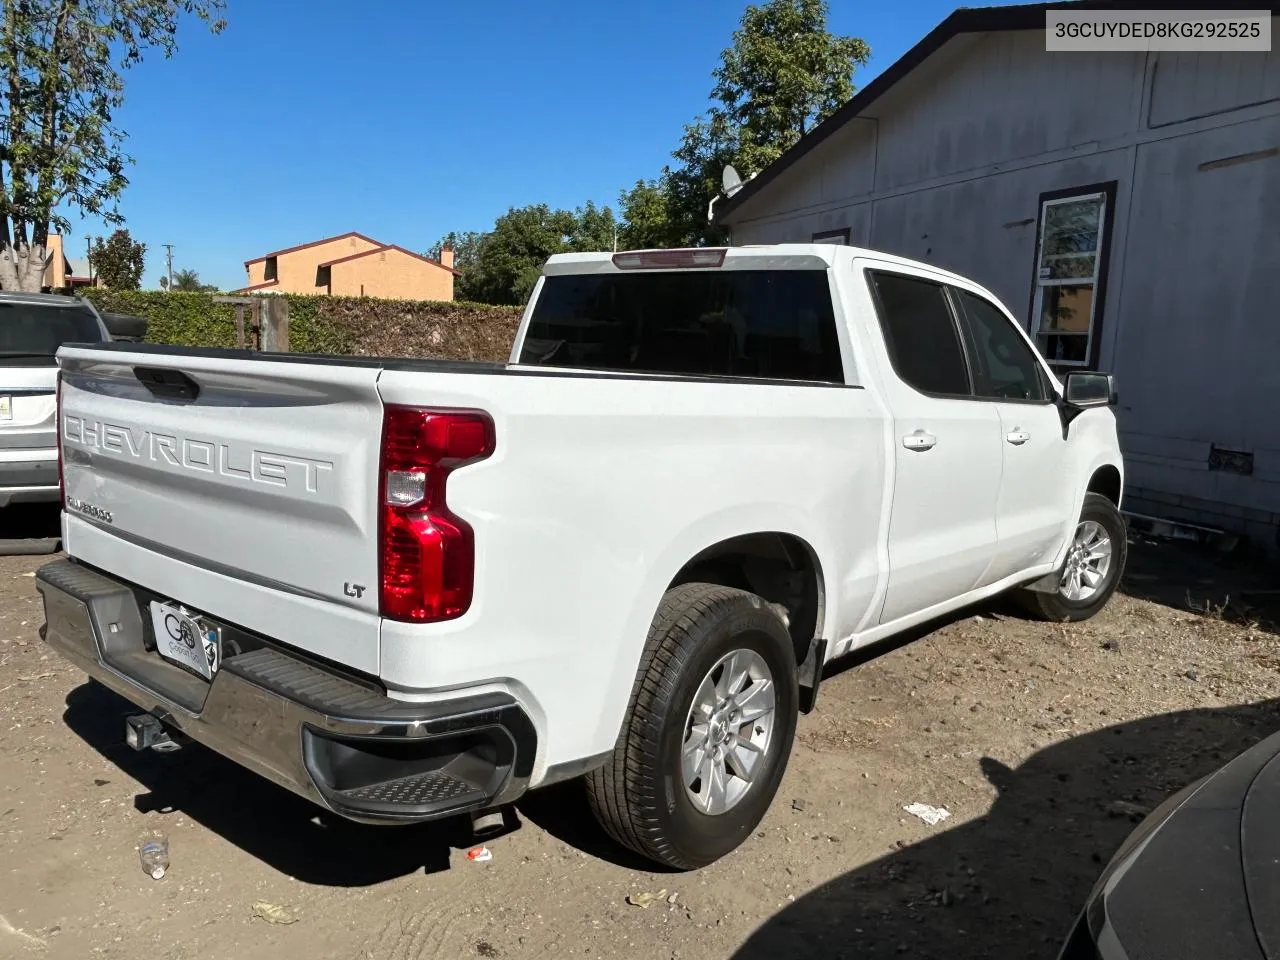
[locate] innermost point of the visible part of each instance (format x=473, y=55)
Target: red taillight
x=669, y=259
x=57, y=439
x=427, y=559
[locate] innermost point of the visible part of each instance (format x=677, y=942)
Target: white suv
x=32, y=328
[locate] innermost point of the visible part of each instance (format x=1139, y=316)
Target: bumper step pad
x=427, y=789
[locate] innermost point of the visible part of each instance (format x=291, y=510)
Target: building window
x=269, y=269
x=1070, y=274
x=839, y=237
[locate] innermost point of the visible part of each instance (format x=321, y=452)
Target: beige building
x=352, y=265
x=59, y=273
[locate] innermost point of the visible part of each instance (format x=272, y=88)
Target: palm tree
x=188, y=281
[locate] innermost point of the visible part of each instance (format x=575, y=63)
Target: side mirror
x=1083, y=389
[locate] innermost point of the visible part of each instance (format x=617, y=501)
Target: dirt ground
x=1029, y=734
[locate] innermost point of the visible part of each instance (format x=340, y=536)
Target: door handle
x=1017, y=436
x=919, y=440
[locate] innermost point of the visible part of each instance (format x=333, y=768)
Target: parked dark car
x=1199, y=877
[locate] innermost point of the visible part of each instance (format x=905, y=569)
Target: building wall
x=951, y=168
x=55, y=271
x=393, y=274
x=296, y=271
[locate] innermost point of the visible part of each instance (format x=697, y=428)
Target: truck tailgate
x=265, y=477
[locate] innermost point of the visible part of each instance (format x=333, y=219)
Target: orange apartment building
x=352, y=265
x=58, y=273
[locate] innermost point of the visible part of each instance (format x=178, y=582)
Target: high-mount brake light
x=669, y=259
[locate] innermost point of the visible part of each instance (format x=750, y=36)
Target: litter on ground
x=930, y=815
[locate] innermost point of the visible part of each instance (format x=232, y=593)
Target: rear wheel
x=1093, y=567
x=708, y=731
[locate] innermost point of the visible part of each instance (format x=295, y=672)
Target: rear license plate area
x=186, y=638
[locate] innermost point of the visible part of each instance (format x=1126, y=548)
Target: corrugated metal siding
x=1186, y=85
x=1006, y=99
x=1198, y=316
x=984, y=228
x=1191, y=322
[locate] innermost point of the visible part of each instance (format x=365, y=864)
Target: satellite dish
x=731, y=181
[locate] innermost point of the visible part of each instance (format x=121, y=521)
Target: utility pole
x=88, y=257
x=168, y=255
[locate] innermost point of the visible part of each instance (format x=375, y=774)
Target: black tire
x=1056, y=607
x=639, y=796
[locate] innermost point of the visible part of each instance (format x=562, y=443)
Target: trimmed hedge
x=361, y=326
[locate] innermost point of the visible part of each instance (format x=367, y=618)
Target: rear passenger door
x=1036, y=492
x=947, y=448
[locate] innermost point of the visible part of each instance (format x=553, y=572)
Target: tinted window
x=37, y=330
x=739, y=323
x=920, y=334
x=1004, y=366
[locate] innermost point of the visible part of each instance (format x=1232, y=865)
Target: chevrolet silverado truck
x=409, y=589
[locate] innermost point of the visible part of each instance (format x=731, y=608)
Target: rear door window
x=771, y=324
x=920, y=333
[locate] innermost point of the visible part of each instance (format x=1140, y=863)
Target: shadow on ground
x=1241, y=585
x=1011, y=883
x=30, y=528
x=287, y=832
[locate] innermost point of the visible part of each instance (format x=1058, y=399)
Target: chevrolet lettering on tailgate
x=238, y=462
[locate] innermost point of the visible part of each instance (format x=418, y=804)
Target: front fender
x=1095, y=444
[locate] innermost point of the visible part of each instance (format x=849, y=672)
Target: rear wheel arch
x=781, y=568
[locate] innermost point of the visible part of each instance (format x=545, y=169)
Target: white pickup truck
x=409, y=589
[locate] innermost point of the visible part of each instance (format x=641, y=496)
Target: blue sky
x=404, y=119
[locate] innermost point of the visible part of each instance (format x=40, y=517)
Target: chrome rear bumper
x=331, y=738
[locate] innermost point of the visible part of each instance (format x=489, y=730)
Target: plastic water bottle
x=154, y=854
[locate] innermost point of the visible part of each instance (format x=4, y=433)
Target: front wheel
x=1093, y=567
x=708, y=730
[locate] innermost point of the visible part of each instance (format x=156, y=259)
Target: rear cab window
x=31, y=332
x=738, y=323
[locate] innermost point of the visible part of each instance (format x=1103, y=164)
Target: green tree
x=119, y=261
x=646, y=221
x=503, y=265
x=784, y=73
x=188, y=281
x=709, y=145
x=594, y=229
x=512, y=254
x=62, y=64
x=466, y=247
